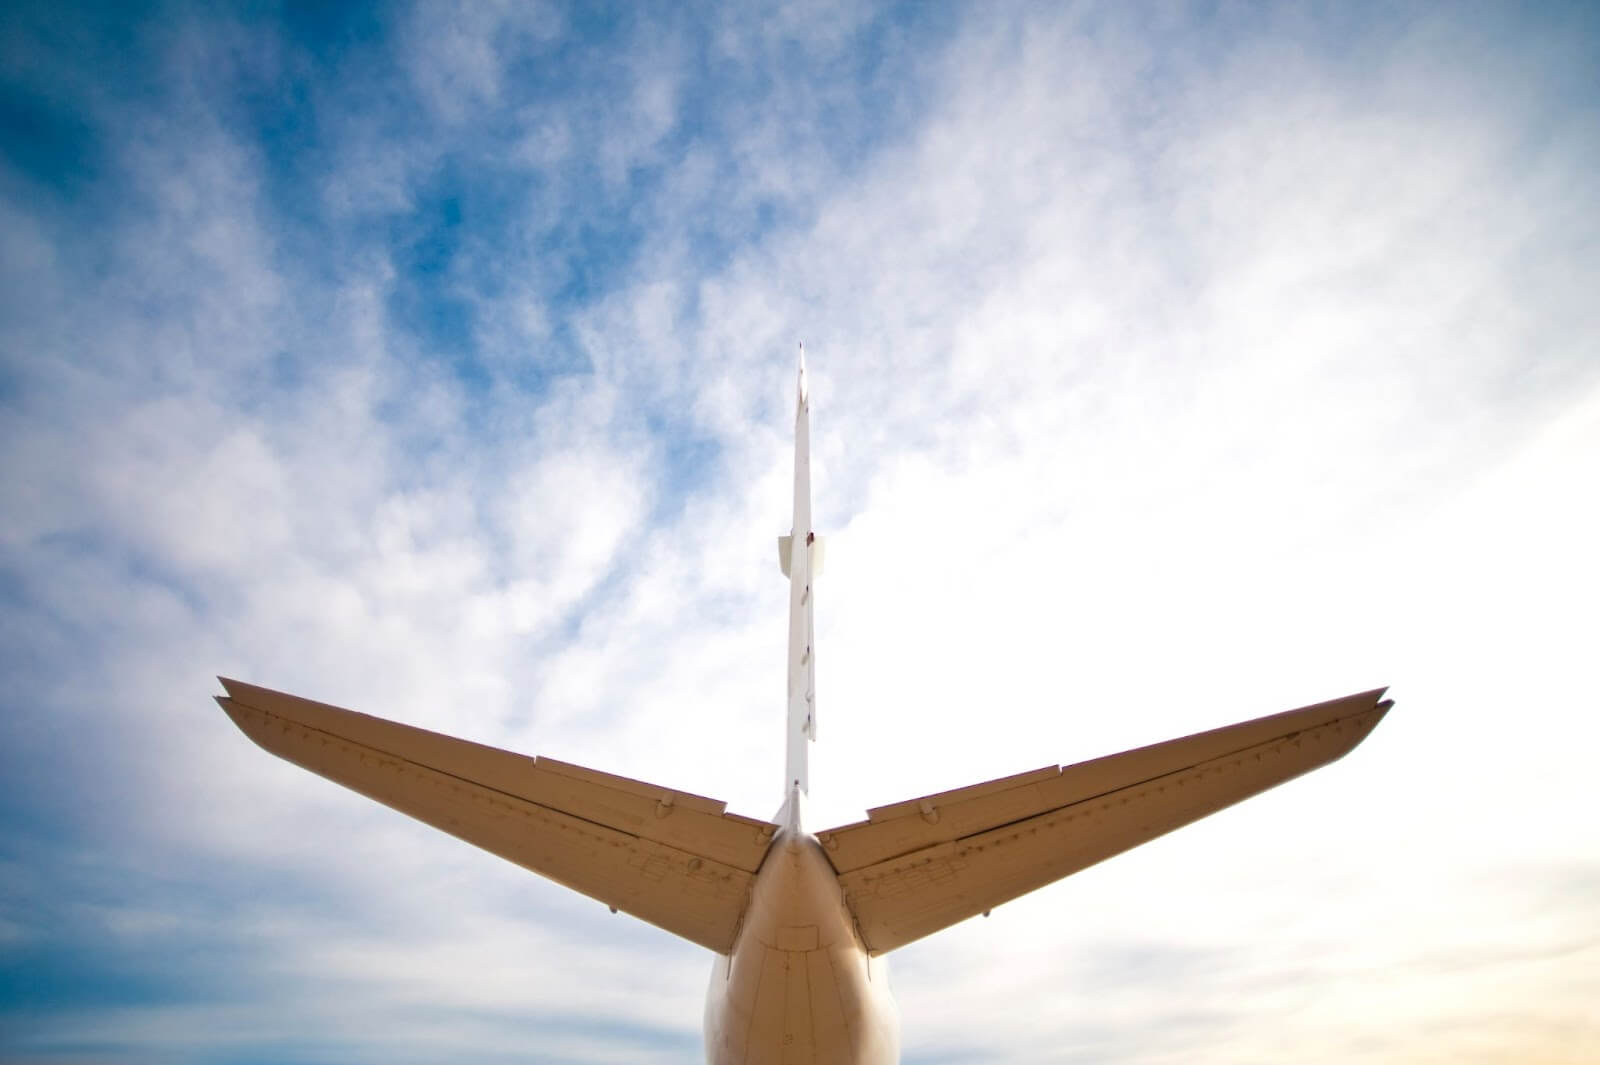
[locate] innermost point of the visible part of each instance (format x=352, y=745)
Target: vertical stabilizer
x=798, y=553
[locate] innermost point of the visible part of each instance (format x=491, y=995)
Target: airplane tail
x=683, y=863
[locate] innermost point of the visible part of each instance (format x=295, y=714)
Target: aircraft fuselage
x=798, y=987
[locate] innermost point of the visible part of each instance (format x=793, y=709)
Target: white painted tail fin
x=800, y=557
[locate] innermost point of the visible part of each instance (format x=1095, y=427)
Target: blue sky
x=1171, y=364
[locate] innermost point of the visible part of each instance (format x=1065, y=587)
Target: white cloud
x=1140, y=406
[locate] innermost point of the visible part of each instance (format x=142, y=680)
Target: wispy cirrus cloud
x=1167, y=370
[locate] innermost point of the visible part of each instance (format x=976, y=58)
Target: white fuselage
x=798, y=988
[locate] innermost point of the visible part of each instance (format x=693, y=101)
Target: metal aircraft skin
x=799, y=922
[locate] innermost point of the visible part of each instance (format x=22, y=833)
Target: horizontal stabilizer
x=918, y=866
x=677, y=860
